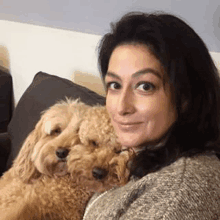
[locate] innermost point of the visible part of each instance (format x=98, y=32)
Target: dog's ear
x=22, y=165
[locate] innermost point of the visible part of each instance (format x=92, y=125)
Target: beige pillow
x=89, y=81
x=216, y=58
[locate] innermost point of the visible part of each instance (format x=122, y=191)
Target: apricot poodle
x=72, y=153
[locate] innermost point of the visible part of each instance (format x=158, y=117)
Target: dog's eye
x=93, y=143
x=56, y=132
x=117, y=151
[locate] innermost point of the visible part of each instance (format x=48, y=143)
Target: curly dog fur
x=72, y=153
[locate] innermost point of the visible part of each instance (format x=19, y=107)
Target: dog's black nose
x=99, y=173
x=62, y=153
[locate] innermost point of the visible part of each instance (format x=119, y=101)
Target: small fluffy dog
x=72, y=153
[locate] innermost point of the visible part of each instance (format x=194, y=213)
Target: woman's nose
x=125, y=104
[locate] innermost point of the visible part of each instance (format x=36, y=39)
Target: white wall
x=27, y=49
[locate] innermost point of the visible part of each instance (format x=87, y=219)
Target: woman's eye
x=145, y=86
x=113, y=86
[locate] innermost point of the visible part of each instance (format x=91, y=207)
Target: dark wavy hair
x=191, y=72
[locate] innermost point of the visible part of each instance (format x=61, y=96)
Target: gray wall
x=94, y=16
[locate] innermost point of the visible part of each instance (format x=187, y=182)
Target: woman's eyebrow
x=145, y=71
x=136, y=74
x=113, y=75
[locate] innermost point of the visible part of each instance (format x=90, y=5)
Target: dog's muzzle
x=62, y=153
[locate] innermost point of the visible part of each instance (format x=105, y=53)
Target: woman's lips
x=126, y=126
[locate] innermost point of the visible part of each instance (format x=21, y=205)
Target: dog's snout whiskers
x=62, y=153
x=99, y=173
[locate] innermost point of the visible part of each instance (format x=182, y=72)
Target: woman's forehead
x=134, y=60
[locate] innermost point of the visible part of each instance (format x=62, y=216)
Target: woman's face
x=138, y=101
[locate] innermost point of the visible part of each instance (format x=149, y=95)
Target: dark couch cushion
x=4, y=150
x=44, y=91
x=5, y=99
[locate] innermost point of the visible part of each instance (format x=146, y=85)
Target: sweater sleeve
x=187, y=189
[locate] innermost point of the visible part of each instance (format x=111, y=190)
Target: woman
x=163, y=99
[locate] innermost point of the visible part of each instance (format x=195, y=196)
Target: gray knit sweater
x=187, y=189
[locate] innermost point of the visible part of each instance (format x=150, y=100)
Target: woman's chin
x=129, y=142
